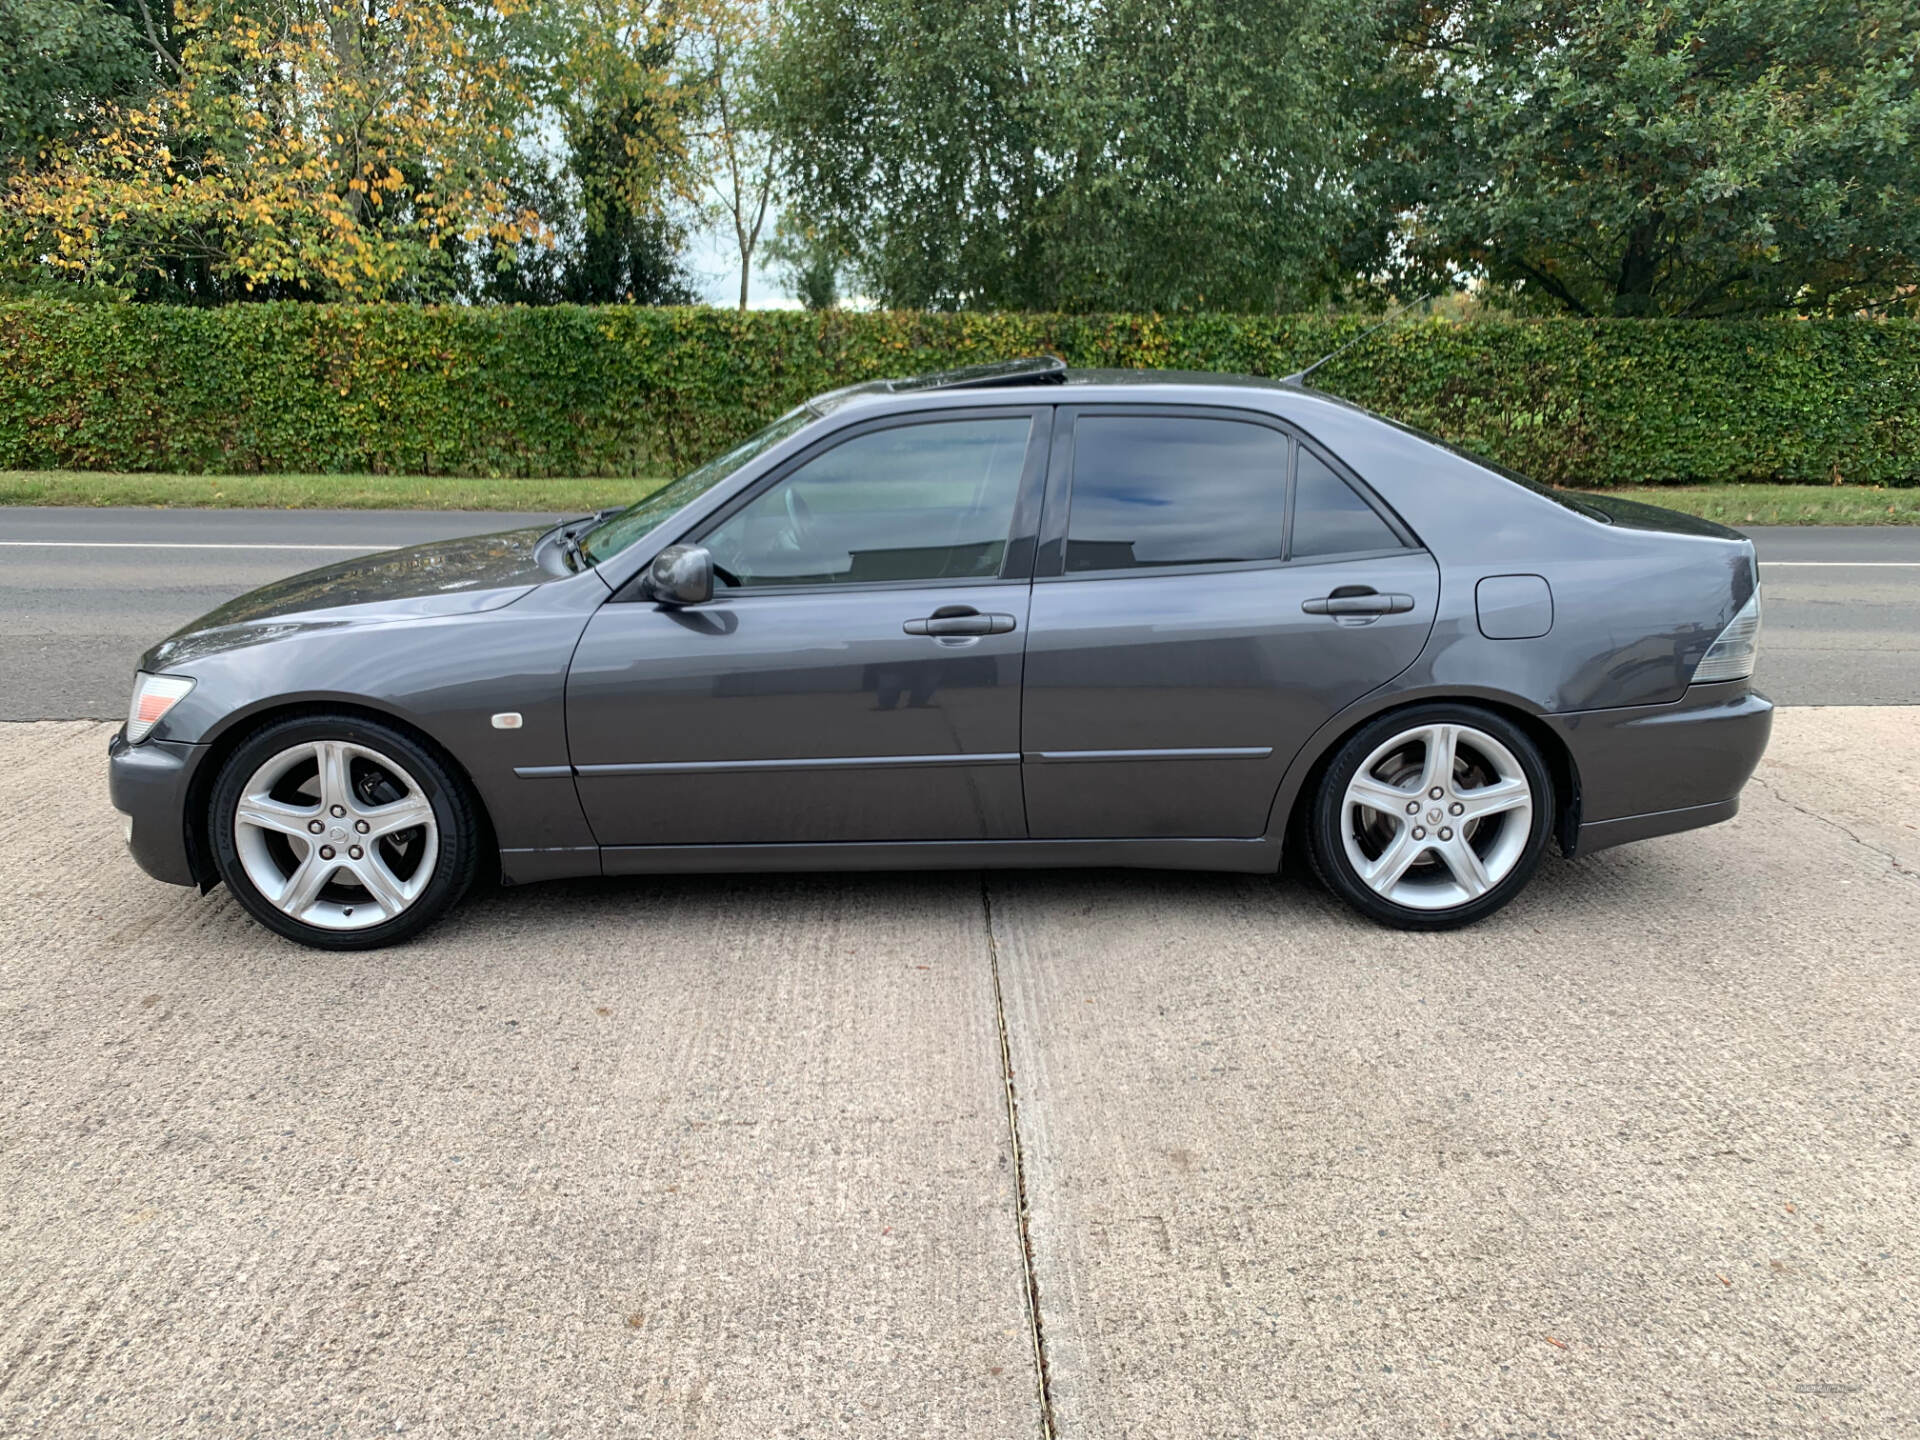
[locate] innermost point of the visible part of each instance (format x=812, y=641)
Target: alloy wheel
x=1436, y=816
x=336, y=835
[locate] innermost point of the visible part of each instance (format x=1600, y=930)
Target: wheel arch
x=1302, y=778
x=246, y=724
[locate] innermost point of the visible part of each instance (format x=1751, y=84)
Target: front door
x=856, y=677
x=1209, y=592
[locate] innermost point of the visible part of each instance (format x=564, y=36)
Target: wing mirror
x=681, y=575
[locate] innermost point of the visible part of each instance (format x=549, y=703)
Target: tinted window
x=918, y=502
x=630, y=524
x=1159, y=490
x=1328, y=518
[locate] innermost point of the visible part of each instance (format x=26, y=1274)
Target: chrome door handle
x=959, y=620
x=1368, y=604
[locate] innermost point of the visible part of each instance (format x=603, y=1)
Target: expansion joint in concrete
x=1035, y=1328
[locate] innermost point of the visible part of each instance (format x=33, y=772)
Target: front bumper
x=150, y=784
x=1654, y=769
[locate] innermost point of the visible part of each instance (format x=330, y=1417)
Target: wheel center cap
x=1433, y=815
x=337, y=833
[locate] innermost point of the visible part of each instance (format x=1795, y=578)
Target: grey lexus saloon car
x=1010, y=616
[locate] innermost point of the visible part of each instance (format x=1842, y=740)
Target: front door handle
x=959, y=620
x=1358, y=602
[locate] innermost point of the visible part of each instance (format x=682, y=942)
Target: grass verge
x=1739, y=505
x=1728, y=504
x=317, y=492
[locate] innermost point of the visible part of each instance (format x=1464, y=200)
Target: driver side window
x=929, y=501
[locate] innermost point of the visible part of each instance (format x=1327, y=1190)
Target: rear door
x=857, y=679
x=1210, y=589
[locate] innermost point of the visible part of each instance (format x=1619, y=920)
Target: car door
x=1209, y=590
x=856, y=676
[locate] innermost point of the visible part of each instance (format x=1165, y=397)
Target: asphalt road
x=745, y=1157
x=84, y=592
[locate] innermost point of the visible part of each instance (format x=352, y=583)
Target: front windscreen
x=639, y=519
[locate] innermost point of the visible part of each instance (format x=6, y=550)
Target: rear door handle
x=1367, y=604
x=959, y=620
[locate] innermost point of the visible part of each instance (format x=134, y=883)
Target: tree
x=1679, y=157
x=1038, y=154
x=67, y=62
x=806, y=266
x=304, y=148
x=626, y=99
x=739, y=158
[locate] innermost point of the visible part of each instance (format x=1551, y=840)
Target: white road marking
x=1848, y=564
x=175, y=545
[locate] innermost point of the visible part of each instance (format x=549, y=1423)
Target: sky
x=715, y=262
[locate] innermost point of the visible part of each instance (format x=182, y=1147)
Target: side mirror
x=681, y=575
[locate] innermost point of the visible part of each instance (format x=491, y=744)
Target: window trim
x=1057, y=509
x=1016, y=562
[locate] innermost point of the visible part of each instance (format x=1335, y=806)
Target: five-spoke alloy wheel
x=340, y=832
x=1432, y=817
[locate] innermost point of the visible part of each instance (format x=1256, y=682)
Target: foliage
x=1655, y=157
x=1631, y=158
x=66, y=61
x=1171, y=154
x=304, y=148
x=622, y=92
x=805, y=265
x=623, y=390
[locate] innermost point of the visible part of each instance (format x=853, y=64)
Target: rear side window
x=1165, y=490
x=1328, y=518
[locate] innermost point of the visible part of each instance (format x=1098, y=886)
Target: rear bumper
x=1655, y=769
x=1602, y=834
x=149, y=784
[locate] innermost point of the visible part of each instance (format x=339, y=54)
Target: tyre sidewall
x=1328, y=849
x=453, y=865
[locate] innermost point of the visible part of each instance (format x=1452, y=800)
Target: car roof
x=1020, y=379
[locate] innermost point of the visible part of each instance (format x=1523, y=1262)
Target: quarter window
x=1328, y=518
x=1163, y=490
x=915, y=502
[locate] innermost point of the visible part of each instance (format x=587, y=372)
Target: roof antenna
x=1299, y=377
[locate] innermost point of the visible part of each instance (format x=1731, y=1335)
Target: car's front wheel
x=342, y=833
x=1432, y=817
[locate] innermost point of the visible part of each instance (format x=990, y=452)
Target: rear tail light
x=153, y=697
x=1731, y=657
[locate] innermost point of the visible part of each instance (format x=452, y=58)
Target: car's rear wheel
x=1432, y=817
x=342, y=833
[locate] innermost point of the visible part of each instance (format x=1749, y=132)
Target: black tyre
x=1431, y=817
x=342, y=833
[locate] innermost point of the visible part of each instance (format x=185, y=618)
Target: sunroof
x=1030, y=370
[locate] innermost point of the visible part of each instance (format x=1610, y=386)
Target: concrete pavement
x=84, y=592
x=733, y=1156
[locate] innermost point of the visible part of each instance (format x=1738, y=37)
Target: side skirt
x=1246, y=856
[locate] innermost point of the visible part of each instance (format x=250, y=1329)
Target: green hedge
x=577, y=391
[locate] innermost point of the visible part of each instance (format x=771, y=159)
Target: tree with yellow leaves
x=303, y=148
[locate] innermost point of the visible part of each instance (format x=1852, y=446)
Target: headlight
x=1731, y=657
x=153, y=697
